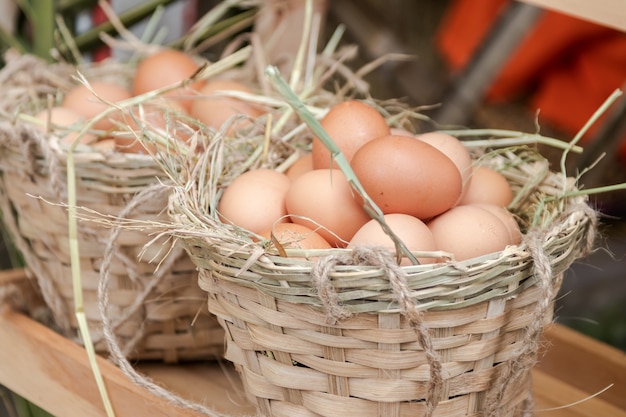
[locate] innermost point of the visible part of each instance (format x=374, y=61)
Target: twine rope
x=382, y=258
x=111, y=251
x=119, y=355
x=514, y=370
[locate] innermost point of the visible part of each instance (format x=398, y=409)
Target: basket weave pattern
x=152, y=310
x=351, y=333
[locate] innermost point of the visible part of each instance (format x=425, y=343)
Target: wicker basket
x=156, y=313
x=348, y=332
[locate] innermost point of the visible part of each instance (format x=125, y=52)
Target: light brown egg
x=165, y=68
x=454, y=149
x=82, y=100
x=323, y=197
x=508, y=219
x=65, y=123
x=468, y=232
x=487, y=186
x=350, y=124
x=294, y=235
x=215, y=110
x=151, y=119
x=302, y=165
x=104, y=144
x=410, y=230
x=401, y=132
x=405, y=175
x=255, y=200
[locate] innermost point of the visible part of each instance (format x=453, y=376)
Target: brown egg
x=165, y=68
x=487, y=186
x=302, y=165
x=410, y=230
x=294, y=235
x=82, y=100
x=508, y=219
x=350, y=124
x=405, y=175
x=215, y=110
x=401, y=132
x=468, y=232
x=65, y=123
x=255, y=200
x=454, y=149
x=323, y=197
x=104, y=144
x=131, y=142
x=153, y=118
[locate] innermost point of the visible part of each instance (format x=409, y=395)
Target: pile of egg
x=434, y=197
x=119, y=129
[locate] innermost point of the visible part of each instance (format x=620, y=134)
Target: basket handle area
x=119, y=354
x=543, y=273
x=34, y=145
x=151, y=193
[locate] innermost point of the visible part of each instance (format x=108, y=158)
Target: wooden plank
x=213, y=383
x=12, y=276
x=556, y=398
x=54, y=373
x=585, y=363
x=610, y=13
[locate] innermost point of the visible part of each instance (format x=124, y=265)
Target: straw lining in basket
x=152, y=325
x=353, y=333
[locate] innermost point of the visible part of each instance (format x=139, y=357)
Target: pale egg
x=322, y=200
x=300, y=166
x=350, y=124
x=255, y=200
x=213, y=108
x=294, y=235
x=104, y=144
x=468, y=232
x=90, y=104
x=166, y=68
x=65, y=123
x=454, y=149
x=487, y=186
x=410, y=230
x=508, y=219
x=401, y=132
x=141, y=125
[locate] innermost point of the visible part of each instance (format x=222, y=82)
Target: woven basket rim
x=563, y=237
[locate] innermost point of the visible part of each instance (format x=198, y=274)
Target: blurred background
x=480, y=64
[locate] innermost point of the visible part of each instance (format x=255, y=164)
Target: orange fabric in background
x=567, y=67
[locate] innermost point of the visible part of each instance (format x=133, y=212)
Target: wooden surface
x=54, y=373
x=610, y=13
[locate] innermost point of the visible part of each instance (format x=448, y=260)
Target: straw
x=337, y=155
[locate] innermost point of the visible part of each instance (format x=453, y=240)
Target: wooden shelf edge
x=609, y=13
x=584, y=363
x=12, y=276
x=54, y=373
